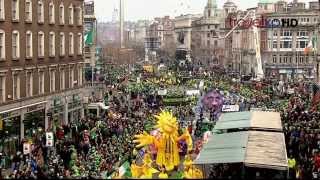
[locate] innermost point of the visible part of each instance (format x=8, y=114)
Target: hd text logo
x=264, y=22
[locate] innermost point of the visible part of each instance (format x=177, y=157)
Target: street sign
x=26, y=148
x=49, y=139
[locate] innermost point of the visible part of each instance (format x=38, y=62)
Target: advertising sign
x=230, y=108
x=26, y=148
x=49, y=139
x=162, y=92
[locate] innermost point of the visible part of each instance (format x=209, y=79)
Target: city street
x=181, y=89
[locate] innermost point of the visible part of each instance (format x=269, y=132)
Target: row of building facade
x=282, y=48
x=42, y=66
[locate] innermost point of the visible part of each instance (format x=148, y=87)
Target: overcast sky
x=148, y=9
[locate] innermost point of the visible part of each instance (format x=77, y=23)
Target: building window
x=41, y=82
x=2, y=89
x=62, y=79
x=290, y=59
x=61, y=14
x=80, y=44
x=62, y=44
x=15, y=45
x=80, y=76
x=29, y=44
x=208, y=42
x=71, y=78
x=41, y=44
x=215, y=43
x=301, y=59
x=40, y=12
x=2, y=45
x=275, y=45
x=52, y=81
x=71, y=44
x=280, y=59
x=302, y=33
x=285, y=59
x=29, y=82
x=301, y=43
x=28, y=11
x=52, y=44
x=275, y=33
x=2, y=13
x=274, y=59
x=287, y=44
x=208, y=35
x=16, y=87
x=15, y=10
x=71, y=14
x=51, y=13
x=80, y=16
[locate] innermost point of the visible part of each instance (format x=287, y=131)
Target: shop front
x=56, y=113
x=17, y=124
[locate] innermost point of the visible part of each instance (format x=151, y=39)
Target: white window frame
x=62, y=79
x=2, y=88
x=40, y=11
x=51, y=13
x=80, y=45
x=80, y=77
x=61, y=14
x=15, y=82
x=3, y=45
x=2, y=10
x=28, y=11
x=52, y=45
x=30, y=45
x=17, y=45
x=62, y=44
x=71, y=78
x=15, y=9
x=52, y=80
x=41, y=82
x=41, y=44
x=29, y=80
x=71, y=14
x=71, y=44
x=80, y=16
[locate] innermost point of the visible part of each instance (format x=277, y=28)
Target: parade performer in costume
x=167, y=145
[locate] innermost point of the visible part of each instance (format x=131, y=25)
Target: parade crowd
x=97, y=146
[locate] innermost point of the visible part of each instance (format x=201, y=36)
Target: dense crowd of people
x=97, y=146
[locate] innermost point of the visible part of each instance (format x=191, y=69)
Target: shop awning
x=250, y=120
x=253, y=148
x=224, y=148
x=266, y=150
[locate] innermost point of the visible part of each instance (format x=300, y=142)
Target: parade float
x=165, y=160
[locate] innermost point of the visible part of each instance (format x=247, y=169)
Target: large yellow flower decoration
x=167, y=123
x=167, y=144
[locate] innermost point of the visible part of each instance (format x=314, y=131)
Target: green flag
x=314, y=43
x=125, y=170
x=88, y=38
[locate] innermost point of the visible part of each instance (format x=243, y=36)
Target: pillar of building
x=22, y=125
x=66, y=120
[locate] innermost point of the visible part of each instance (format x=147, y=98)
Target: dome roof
x=229, y=3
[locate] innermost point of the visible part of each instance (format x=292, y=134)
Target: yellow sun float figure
x=167, y=144
x=191, y=171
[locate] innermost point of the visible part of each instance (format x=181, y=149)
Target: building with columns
x=41, y=67
x=206, y=47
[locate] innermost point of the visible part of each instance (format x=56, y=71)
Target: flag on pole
x=125, y=170
x=308, y=48
x=88, y=38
